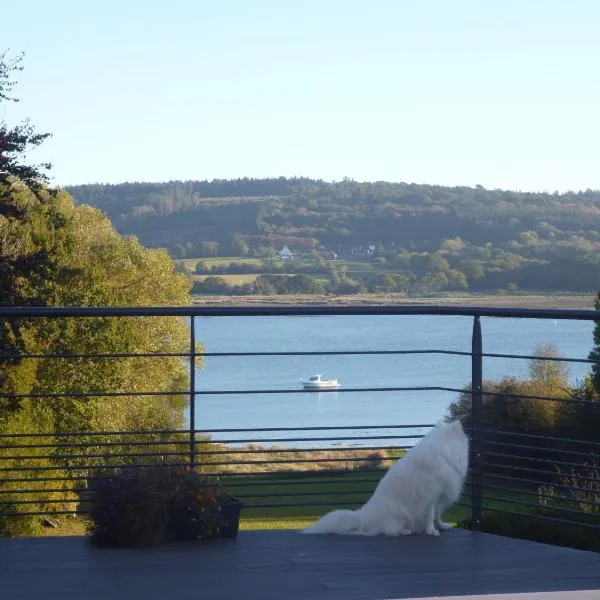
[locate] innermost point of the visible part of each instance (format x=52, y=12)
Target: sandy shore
x=515, y=300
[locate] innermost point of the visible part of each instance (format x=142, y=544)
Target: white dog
x=413, y=495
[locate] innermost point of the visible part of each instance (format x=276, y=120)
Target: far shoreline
x=553, y=300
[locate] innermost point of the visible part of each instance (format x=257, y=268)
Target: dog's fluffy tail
x=338, y=521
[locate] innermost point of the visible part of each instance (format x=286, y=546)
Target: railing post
x=476, y=424
x=192, y=393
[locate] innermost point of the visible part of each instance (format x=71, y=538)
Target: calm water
x=273, y=334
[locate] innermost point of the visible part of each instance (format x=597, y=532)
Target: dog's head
x=454, y=429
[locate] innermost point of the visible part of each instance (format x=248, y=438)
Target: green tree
x=595, y=353
x=387, y=282
x=209, y=248
x=239, y=246
x=201, y=268
x=55, y=253
x=95, y=266
x=17, y=141
x=19, y=261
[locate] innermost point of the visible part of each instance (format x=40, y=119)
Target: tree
x=239, y=246
x=18, y=261
x=595, y=353
x=551, y=373
x=201, y=268
x=15, y=142
x=209, y=248
x=55, y=253
x=387, y=282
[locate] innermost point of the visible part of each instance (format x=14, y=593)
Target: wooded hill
x=494, y=238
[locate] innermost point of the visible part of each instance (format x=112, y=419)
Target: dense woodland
x=420, y=237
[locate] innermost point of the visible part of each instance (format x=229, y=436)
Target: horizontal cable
x=127, y=443
x=56, y=434
x=533, y=470
x=87, y=467
x=307, y=450
x=91, y=455
x=540, y=517
x=201, y=432
x=540, y=448
x=532, y=397
x=306, y=481
x=187, y=453
x=316, y=439
x=298, y=504
x=44, y=491
x=539, y=437
x=290, y=460
x=101, y=355
x=314, y=428
x=293, y=353
x=539, y=494
x=43, y=501
x=235, y=354
x=296, y=493
x=550, y=461
x=541, y=358
x=94, y=394
x=532, y=505
x=563, y=486
x=43, y=513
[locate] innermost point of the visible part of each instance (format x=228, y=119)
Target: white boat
x=317, y=383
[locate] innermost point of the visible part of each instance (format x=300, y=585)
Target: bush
x=150, y=506
x=578, y=490
x=530, y=525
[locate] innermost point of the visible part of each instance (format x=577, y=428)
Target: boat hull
x=321, y=385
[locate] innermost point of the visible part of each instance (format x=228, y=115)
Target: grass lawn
x=218, y=261
x=309, y=498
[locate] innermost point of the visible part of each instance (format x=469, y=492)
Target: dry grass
x=240, y=279
x=191, y=263
x=274, y=459
x=383, y=299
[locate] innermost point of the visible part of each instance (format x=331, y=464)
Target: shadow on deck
x=286, y=565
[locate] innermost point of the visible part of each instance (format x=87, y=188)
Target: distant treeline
x=430, y=237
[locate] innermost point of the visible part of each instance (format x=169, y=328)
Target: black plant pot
x=181, y=526
x=230, y=511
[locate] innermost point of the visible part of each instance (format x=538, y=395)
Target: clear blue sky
x=502, y=93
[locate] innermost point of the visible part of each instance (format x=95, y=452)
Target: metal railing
x=47, y=472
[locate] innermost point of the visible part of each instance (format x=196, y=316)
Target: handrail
x=283, y=311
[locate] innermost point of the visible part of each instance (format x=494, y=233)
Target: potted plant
x=230, y=508
x=147, y=506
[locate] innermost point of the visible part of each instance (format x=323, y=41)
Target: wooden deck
x=286, y=565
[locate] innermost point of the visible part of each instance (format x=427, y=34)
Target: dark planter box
x=230, y=510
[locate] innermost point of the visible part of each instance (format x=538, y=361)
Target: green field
x=218, y=261
x=308, y=494
x=230, y=279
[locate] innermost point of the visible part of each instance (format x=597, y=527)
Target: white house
x=285, y=253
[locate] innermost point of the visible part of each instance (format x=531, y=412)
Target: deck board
x=287, y=565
